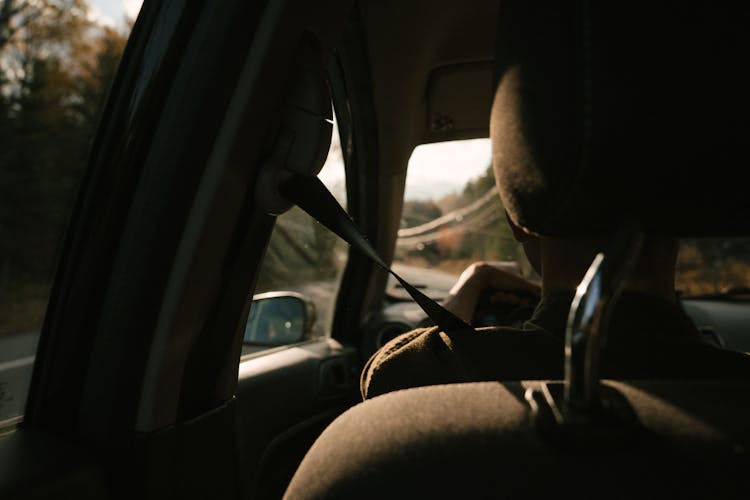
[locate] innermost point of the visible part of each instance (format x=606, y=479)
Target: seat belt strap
x=311, y=195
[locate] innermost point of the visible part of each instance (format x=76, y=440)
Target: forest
x=56, y=67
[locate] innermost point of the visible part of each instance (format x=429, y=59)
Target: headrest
x=606, y=111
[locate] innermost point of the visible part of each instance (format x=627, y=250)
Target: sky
x=434, y=169
x=441, y=168
x=113, y=12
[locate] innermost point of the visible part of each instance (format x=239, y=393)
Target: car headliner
x=433, y=53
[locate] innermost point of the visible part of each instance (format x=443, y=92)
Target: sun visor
x=458, y=97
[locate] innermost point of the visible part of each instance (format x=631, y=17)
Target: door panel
x=285, y=399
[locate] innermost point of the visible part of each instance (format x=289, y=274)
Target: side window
x=301, y=272
x=57, y=61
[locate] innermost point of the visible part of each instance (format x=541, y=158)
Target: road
x=16, y=364
x=433, y=283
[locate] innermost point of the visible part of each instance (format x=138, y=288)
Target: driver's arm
x=480, y=276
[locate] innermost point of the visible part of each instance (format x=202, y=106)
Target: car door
x=135, y=383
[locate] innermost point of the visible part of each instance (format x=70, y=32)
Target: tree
x=37, y=29
x=417, y=212
x=493, y=240
x=56, y=70
x=98, y=64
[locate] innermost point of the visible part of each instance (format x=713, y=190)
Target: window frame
x=334, y=304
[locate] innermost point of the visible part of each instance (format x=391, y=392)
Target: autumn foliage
x=56, y=66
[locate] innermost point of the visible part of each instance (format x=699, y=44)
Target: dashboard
x=723, y=322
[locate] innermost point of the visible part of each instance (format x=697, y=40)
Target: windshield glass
x=452, y=216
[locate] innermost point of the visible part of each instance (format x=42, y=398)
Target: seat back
x=605, y=115
x=482, y=440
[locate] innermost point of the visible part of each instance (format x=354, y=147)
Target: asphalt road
x=16, y=364
x=433, y=283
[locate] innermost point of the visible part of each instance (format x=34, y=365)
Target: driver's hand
x=463, y=297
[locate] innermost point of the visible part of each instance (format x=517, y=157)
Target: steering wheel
x=504, y=307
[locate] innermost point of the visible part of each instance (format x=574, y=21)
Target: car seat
x=611, y=116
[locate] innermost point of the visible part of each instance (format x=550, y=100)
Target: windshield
x=452, y=216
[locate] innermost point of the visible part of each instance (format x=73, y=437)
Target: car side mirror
x=279, y=318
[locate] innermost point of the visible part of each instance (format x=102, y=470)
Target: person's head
x=563, y=153
x=528, y=155
x=562, y=262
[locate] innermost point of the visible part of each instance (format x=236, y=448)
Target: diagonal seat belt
x=311, y=195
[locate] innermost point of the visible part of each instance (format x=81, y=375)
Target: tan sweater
x=648, y=338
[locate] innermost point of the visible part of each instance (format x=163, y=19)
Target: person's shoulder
x=389, y=368
x=429, y=356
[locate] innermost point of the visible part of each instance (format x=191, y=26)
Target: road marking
x=9, y=365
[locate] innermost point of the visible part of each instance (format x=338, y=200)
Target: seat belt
x=312, y=196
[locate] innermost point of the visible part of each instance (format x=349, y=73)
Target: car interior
x=204, y=338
